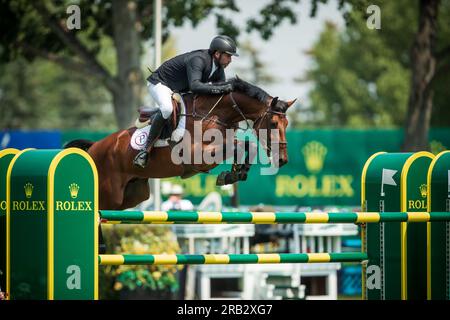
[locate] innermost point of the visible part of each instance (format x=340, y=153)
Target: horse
x=123, y=185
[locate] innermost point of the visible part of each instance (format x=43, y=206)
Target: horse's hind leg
x=111, y=198
x=136, y=191
x=111, y=192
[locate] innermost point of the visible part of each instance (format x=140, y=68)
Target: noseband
x=266, y=116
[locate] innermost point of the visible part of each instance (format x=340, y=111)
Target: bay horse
x=123, y=185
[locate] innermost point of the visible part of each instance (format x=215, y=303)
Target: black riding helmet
x=223, y=44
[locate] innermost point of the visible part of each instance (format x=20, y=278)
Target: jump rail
x=159, y=217
x=172, y=259
x=52, y=218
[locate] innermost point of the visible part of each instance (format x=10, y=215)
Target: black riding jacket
x=190, y=72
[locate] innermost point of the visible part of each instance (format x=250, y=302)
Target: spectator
x=176, y=201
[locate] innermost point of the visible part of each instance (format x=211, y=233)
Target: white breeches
x=163, y=98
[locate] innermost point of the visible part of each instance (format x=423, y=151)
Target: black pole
x=235, y=196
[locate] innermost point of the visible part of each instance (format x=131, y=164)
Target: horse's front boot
x=242, y=176
x=227, y=177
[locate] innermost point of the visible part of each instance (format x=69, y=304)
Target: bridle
x=257, y=123
x=260, y=120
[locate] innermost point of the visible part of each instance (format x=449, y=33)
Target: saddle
x=146, y=115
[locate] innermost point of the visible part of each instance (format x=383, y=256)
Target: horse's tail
x=80, y=144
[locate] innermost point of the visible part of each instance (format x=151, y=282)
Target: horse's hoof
x=102, y=248
x=243, y=177
x=231, y=178
x=226, y=177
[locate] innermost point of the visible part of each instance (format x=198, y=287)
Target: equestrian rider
x=199, y=71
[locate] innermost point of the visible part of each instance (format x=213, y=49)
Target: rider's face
x=222, y=58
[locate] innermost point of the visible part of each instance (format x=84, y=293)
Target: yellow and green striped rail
x=172, y=259
x=44, y=249
x=268, y=217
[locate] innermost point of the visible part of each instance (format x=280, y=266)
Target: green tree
x=34, y=29
x=430, y=64
x=417, y=32
x=256, y=72
x=357, y=82
x=362, y=77
x=41, y=94
x=37, y=29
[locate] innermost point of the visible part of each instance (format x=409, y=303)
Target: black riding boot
x=156, y=127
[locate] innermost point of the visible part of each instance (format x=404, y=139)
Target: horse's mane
x=247, y=89
x=255, y=92
x=250, y=90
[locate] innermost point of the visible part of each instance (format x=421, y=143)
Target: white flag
x=387, y=178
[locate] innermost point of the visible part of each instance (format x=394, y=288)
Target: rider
x=199, y=71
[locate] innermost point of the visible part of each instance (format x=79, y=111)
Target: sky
x=283, y=53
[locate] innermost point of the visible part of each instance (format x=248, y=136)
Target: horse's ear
x=290, y=103
x=274, y=102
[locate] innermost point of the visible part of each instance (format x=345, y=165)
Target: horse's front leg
x=243, y=169
x=239, y=170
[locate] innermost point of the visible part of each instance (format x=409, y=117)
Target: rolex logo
x=73, y=188
x=28, y=190
x=314, y=153
x=423, y=190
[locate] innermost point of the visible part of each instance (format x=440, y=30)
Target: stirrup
x=141, y=159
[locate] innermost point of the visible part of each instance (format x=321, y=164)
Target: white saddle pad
x=140, y=136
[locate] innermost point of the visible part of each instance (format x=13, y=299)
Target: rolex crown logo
x=73, y=188
x=314, y=153
x=423, y=190
x=28, y=190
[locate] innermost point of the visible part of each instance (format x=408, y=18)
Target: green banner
x=5, y=158
x=324, y=168
x=51, y=196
